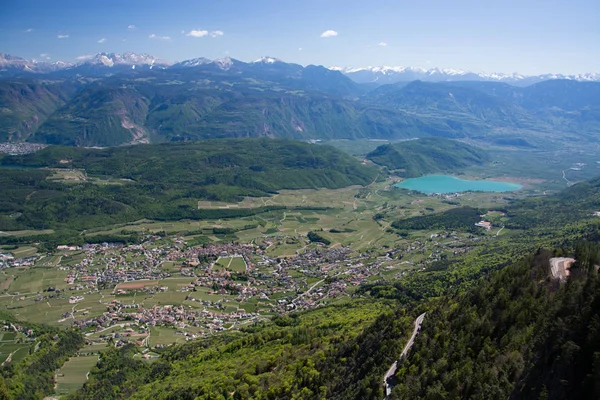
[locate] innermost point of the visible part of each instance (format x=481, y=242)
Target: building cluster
x=9, y=261
x=20, y=148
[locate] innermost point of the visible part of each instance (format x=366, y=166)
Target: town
x=108, y=288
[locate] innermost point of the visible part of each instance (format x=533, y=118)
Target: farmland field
x=8, y=347
x=235, y=264
x=73, y=374
x=163, y=336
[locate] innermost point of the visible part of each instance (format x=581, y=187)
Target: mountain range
x=108, y=63
x=386, y=75
x=112, y=99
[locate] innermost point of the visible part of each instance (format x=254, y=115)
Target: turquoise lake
x=449, y=184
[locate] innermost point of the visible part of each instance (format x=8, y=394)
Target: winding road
x=388, y=379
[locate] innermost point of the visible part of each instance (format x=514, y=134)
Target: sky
x=526, y=36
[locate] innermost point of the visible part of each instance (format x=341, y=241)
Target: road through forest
x=388, y=378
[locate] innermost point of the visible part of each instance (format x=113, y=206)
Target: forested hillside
x=25, y=105
x=33, y=377
x=335, y=352
x=163, y=181
x=418, y=157
x=520, y=335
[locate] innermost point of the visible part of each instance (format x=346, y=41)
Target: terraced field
x=9, y=348
x=73, y=374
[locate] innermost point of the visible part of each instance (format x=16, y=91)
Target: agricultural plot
x=235, y=264
x=36, y=280
x=93, y=348
x=27, y=232
x=67, y=175
x=164, y=336
x=8, y=348
x=24, y=251
x=73, y=374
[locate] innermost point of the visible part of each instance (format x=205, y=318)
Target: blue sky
x=526, y=36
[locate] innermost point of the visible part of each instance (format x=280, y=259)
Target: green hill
x=423, y=156
x=164, y=181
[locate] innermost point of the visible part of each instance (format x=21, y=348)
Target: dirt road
x=388, y=379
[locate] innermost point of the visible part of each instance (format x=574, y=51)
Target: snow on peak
x=194, y=62
x=224, y=63
x=389, y=74
x=127, y=59
x=266, y=60
x=102, y=59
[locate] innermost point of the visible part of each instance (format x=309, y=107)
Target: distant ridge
x=384, y=75
x=380, y=75
x=113, y=99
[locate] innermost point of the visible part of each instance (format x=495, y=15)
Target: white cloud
x=153, y=36
x=43, y=55
x=329, y=33
x=299, y=48
x=131, y=27
x=202, y=33
x=62, y=36
x=382, y=44
x=84, y=57
x=197, y=33
x=29, y=30
x=102, y=40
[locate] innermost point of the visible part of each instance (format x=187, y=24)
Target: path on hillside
x=565, y=178
x=389, y=376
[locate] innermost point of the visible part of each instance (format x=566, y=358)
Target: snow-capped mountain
x=125, y=59
x=225, y=63
x=384, y=75
x=99, y=64
x=221, y=63
x=194, y=62
x=105, y=64
x=10, y=65
x=267, y=60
